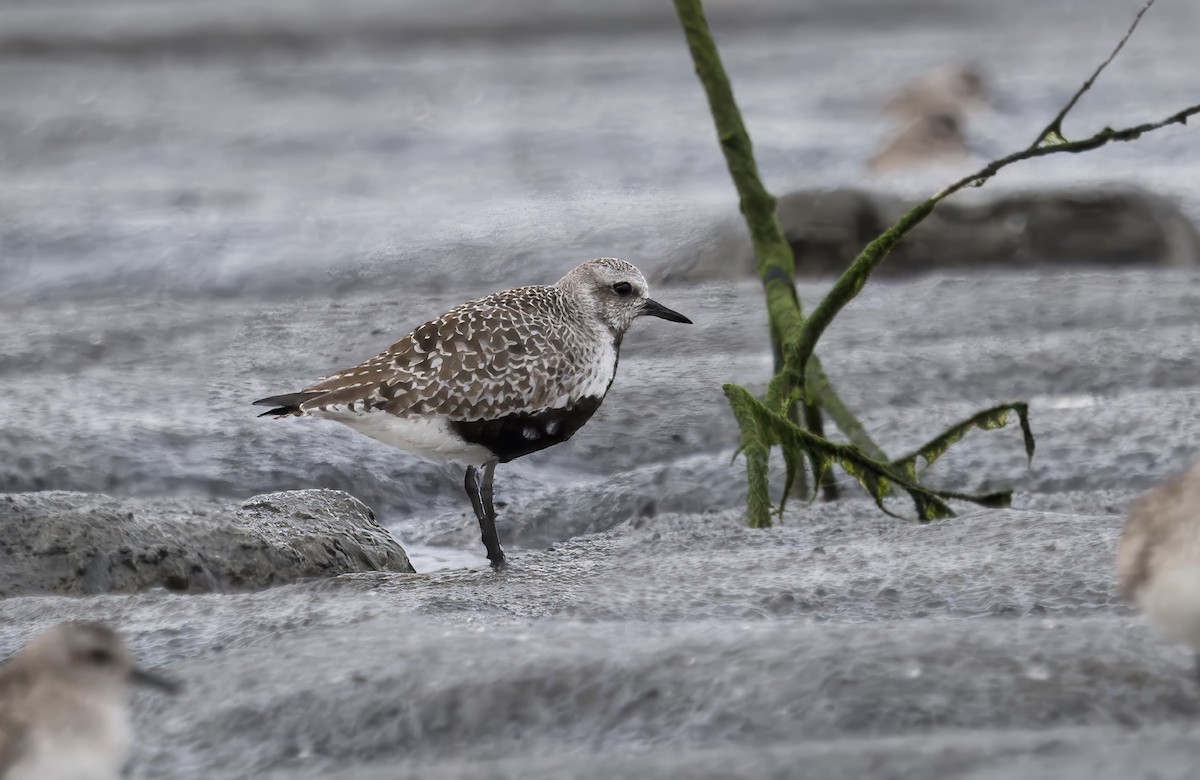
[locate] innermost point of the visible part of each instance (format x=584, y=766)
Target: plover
x=63, y=714
x=493, y=379
x=933, y=139
x=1158, y=558
x=955, y=90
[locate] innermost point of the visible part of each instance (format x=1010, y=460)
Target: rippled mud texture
x=665, y=642
x=180, y=235
x=1106, y=361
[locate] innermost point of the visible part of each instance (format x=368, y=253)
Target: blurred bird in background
x=63, y=709
x=932, y=111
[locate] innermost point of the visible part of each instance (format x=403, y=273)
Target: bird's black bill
x=655, y=309
x=140, y=676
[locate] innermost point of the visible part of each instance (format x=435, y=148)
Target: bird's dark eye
x=100, y=656
x=623, y=289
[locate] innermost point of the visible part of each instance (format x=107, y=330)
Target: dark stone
x=84, y=543
x=1097, y=228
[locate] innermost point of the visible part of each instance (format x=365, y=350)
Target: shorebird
x=956, y=90
x=1158, y=558
x=933, y=139
x=493, y=379
x=63, y=714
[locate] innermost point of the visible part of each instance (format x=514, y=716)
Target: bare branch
x=798, y=376
x=792, y=374
x=1102, y=138
x=1053, y=131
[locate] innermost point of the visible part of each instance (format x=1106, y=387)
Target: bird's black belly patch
x=519, y=434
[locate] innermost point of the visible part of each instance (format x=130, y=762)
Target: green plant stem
x=843, y=291
x=799, y=377
x=824, y=476
x=847, y=422
x=773, y=255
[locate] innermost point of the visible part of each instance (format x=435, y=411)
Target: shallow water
x=181, y=233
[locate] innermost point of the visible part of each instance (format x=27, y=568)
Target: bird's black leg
x=485, y=489
x=480, y=492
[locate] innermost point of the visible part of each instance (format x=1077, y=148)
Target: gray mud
x=1106, y=360
x=840, y=636
x=197, y=214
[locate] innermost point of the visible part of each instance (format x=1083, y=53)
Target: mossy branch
x=987, y=420
x=799, y=377
x=842, y=416
x=773, y=254
x=1102, y=138
x=843, y=291
x=1053, y=132
x=876, y=477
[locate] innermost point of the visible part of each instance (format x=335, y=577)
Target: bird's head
x=614, y=292
x=89, y=654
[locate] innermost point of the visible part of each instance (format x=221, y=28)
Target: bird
x=1158, y=558
x=957, y=90
x=63, y=714
x=493, y=379
x=932, y=139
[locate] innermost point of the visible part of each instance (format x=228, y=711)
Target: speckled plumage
x=495, y=378
x=524, y=349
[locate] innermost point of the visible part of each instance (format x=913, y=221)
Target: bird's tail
x=287, y=405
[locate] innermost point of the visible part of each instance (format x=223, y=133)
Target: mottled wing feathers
x=511, y=351
x=286, y=405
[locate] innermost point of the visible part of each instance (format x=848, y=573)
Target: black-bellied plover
x=63, y=714
x=1158, y=558
x=493, y=379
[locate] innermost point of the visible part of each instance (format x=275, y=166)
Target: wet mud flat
x=643, y=630
x=151, y=399
x=680, y=644
x=183, y=233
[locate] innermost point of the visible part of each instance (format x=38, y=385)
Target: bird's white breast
x=1170, y=597
x=429, y=437
x=600, y=370
x=59, y=751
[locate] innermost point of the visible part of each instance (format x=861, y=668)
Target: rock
x=1066, y=228
x=86, y=543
